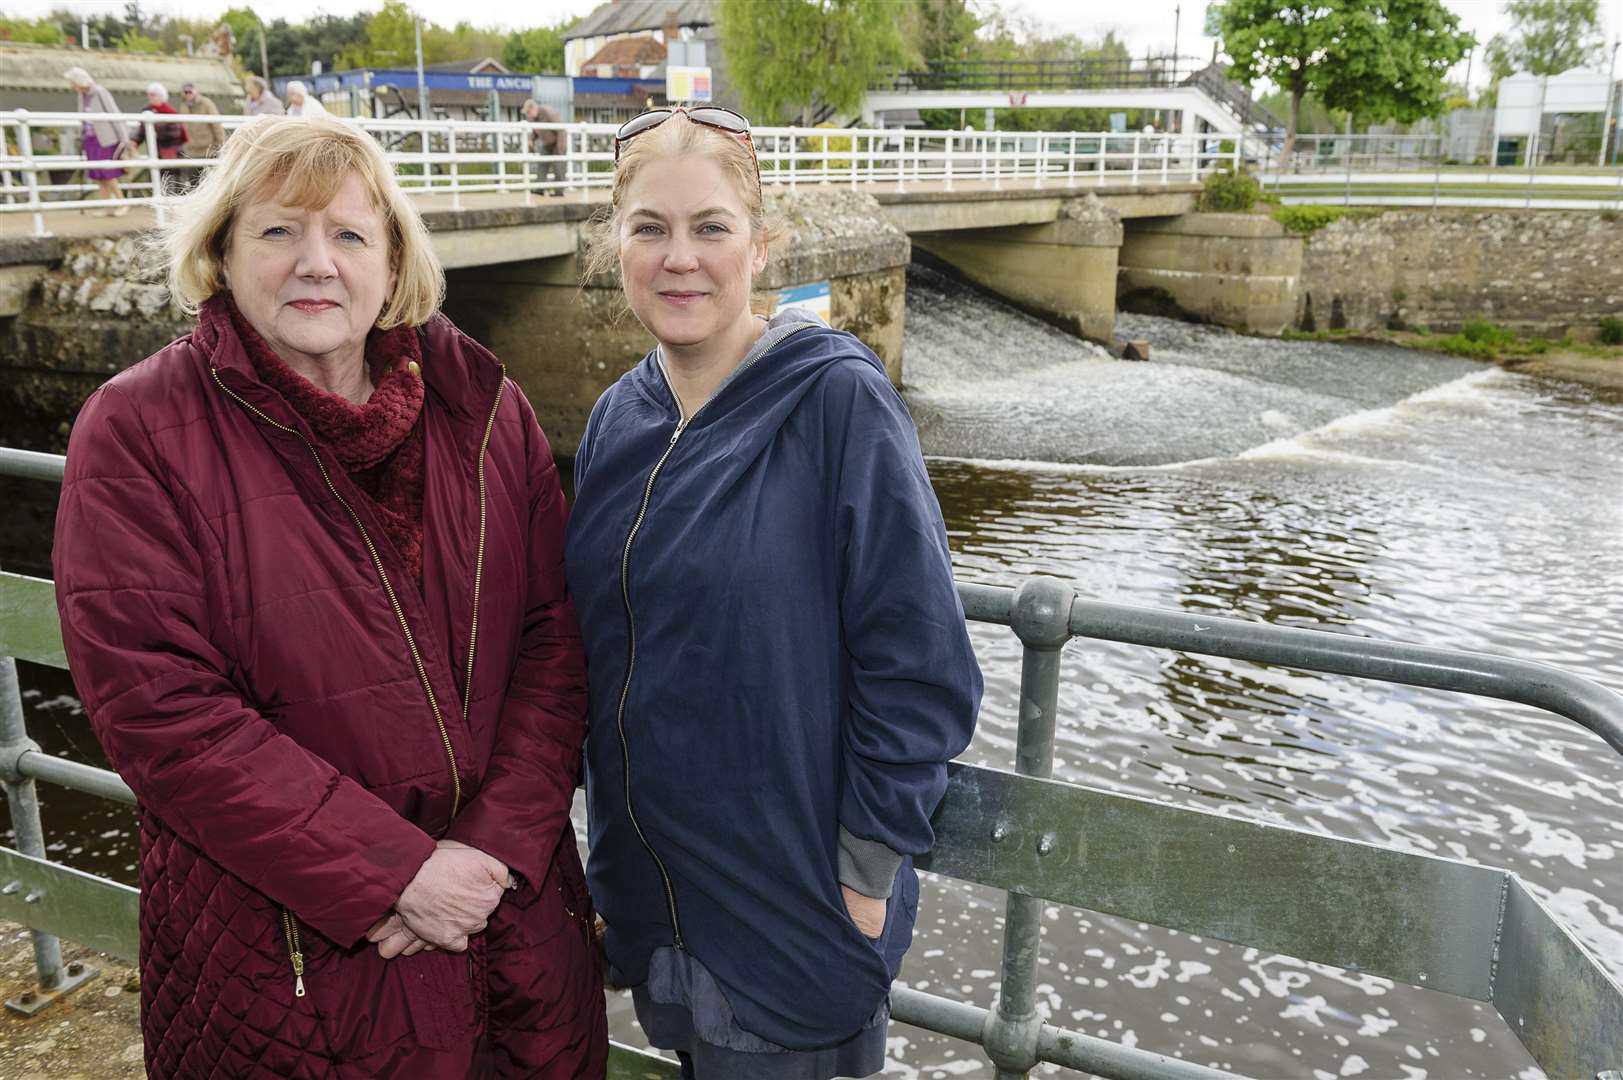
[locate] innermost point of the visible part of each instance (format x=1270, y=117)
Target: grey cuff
x=867, y=866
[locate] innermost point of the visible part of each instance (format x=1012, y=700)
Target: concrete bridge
x=79, y=305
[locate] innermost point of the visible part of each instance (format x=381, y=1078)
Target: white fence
x=42, y=170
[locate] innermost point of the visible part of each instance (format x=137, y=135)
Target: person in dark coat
x=779, y=664
x=309, y=563
x=547, y=143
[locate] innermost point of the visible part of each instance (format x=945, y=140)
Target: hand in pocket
x=867, y=912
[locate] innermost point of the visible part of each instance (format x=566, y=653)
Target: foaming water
x=985, y=381
x=1409, y=498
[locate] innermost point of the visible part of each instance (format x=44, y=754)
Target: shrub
x=1305, y=220
x=1609, y=215
x=1481, y=332
x=1229, y=191
x=1611, y=331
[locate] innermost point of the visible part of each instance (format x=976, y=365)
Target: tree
x=788, y=57
x=539, y=49
x=1547, y=37
x=942, y=30
x=1381, y=59
x=33, y=32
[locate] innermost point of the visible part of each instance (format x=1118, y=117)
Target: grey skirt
x=681, y=1008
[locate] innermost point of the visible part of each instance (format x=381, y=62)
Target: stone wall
x=83, y=310
x=1547, y=272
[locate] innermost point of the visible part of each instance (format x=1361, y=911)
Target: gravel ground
x=91, y=1034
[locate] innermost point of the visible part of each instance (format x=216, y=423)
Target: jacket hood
x=798, y=346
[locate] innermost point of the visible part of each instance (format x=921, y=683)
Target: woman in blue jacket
x=778, y=659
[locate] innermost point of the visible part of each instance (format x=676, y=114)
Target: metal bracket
x=11, y=756
x=30, y=1002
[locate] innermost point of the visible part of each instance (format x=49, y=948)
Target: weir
x=1455, y=927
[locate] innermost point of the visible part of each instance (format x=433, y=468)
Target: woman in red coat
x=169, y=137
x=309, y=561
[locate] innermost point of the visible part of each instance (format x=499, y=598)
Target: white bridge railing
x=43, y=170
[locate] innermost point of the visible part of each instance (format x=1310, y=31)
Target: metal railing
x=1451, y=926
x=1072, y=74
x=41, y=169
x=41, y=173
x=1416, y=170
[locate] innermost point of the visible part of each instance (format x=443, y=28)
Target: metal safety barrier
x=1447, y=925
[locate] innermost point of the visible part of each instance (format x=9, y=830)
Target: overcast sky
x=1143, y=24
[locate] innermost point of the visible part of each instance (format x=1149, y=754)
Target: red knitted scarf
x=379, y=443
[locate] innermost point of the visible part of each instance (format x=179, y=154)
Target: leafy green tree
x=1381, y=59
x=942, y=29
x=786, y=58
x=136, y=42
x=32, y=31
x=540, y=49
x=1548, y=37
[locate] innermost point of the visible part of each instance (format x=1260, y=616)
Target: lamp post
x=422, y=81
x=1611, y=96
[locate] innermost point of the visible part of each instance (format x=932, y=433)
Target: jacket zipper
x=290, y=926
x=631, y=632
x=478, y=576
x=631, y=664
x=295, y=950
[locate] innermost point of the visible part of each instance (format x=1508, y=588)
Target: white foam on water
x=1467, y=389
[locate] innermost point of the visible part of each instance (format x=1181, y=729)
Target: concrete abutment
x=1063, y=271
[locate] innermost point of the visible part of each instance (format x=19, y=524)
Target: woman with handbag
x=104, y=140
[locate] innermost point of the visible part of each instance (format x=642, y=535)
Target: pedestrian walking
x=203, y=140
x=103, y=140
x=261, y=102
x=168, y=138
x=546, y=142
x=300, y=102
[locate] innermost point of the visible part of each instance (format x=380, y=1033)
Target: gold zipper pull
x=298, y=974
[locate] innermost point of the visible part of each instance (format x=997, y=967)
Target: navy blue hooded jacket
x=775, y=650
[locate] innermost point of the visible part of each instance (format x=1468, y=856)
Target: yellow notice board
x=687, y=84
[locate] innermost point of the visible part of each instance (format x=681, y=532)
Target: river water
x=1364, y=490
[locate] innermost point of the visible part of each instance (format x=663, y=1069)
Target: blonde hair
x=675, y=137
x=299, y=162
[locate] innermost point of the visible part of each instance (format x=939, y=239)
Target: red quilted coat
x=300, y=720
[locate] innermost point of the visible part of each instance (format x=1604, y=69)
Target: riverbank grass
x=1597, y=364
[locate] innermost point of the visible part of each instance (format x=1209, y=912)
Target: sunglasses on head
x=710, y=116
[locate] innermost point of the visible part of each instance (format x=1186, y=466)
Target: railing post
x=25, y=146
x=23, y=801
x=1041, y=618
x=456, y=175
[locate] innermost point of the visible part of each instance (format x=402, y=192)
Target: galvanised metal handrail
x=1455, y=927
